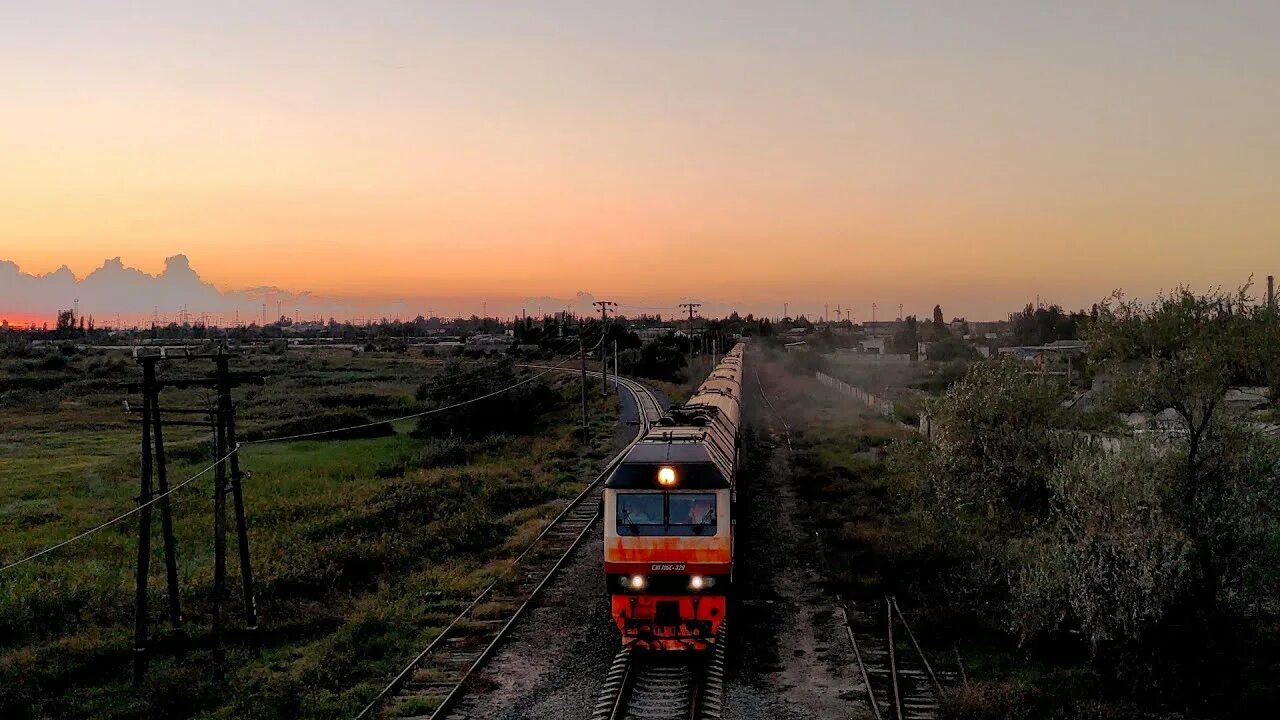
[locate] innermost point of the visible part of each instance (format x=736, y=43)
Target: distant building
x=488, y=342
x=881, y=328
x=649, y=334
x=1056, y=358
x=876, y=345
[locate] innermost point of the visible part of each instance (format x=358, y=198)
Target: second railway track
x=432, y=685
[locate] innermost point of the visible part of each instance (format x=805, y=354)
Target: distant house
x=488, y=343
x=881, y=328
x=1056, y=358
x=649, y=334
x=876, y=345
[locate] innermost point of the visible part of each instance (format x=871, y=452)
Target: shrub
x=363, y=426
x=514, y=406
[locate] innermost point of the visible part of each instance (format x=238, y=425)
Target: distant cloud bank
x=116, y=289
x=136, y=297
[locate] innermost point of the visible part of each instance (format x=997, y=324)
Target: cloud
x=115, y=288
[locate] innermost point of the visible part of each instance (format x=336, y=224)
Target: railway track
x=901, y=683
x=658, y=686
x=432, y=685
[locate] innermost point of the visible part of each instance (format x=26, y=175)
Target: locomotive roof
x=701, y=435
x=700, y=466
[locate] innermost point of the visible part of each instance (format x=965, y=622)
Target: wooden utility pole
x=219, y=538
x=228, y=410
x=166, y=515
x=221, y=418
x=582, y=356
x=144, y=550
x=152, y=437
x=692, y=306
x=604, y=345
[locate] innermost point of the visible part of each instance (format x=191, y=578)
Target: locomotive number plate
x=666, y=567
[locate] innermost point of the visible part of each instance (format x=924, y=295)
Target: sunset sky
x=973, y=154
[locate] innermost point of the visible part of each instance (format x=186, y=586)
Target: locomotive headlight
x=700, y=582
x=666, y=476
x=635, y=582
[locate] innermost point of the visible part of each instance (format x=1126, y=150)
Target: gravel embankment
x=556, y=658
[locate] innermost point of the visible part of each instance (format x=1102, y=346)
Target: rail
x=472, y=641
x=660, y=686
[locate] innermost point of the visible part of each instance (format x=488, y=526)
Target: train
x=668, y=520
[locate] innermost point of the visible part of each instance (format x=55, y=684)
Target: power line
x=646, y=307
x=120, y=517
x=299, y=436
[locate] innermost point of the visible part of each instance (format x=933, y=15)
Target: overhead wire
x=121, y=516
x=298, y=436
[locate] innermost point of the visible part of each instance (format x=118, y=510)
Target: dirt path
x=791, y=656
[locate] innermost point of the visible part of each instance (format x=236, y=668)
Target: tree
x=907, y=337
x=664, y=358
x=982, y=487
x=997, y=440
x=66, y=325
x=938, y=320
x=509, y=410
x=948, y=347
x=1182, y=352
x=1042, y=326
x=1111, y=561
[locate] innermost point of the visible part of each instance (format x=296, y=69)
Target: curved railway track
x=432, y=685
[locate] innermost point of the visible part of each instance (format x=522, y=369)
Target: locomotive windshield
x=666, y=514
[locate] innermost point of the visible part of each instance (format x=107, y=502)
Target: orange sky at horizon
x=748, y=153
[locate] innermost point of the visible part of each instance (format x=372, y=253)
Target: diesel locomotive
x=668, y=520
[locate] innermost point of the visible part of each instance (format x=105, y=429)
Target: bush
x=991, y=701
x=665, y=358
x=514, y=405
x=363, y=426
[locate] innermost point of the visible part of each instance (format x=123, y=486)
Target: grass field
x=361, y=548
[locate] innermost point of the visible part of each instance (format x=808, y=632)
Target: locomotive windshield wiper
x=626, y=518
x=706, y=520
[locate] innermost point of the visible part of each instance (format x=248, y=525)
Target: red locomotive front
x=668, y=526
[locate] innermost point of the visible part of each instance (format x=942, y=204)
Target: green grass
x=362, y=549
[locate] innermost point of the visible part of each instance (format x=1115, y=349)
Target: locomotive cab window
x=666, y=514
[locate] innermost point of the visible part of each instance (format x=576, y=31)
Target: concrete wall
x=873, y=402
